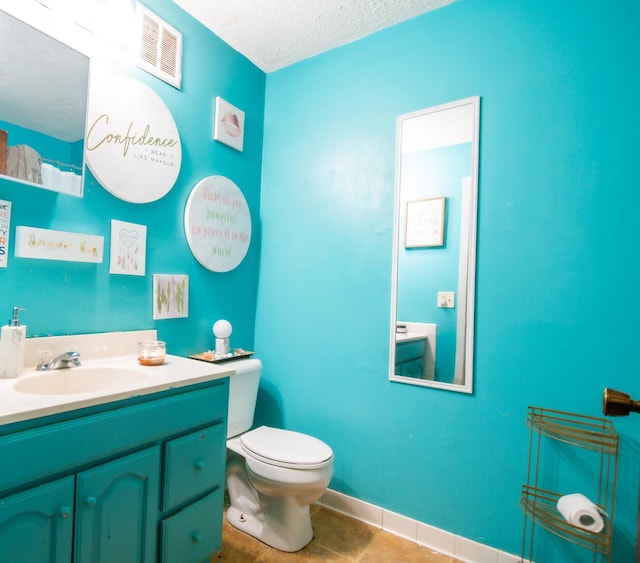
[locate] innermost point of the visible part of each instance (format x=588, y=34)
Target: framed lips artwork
x=228, y=124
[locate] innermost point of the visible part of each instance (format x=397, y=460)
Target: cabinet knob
x=64, y=511
x=196, y=537
x=199, y=464
x=90, y=501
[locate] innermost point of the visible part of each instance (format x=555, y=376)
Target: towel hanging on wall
x=24, y=163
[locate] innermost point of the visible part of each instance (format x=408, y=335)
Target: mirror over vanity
x=434, y=248
x=43, y=101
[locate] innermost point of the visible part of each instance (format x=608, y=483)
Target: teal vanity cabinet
x=138, y=480
x=410, y=357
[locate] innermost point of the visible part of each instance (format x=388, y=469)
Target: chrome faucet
x=66, y=360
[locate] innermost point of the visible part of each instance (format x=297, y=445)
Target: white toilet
x=273, y=475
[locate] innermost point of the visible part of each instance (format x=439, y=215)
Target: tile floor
x=336, y=538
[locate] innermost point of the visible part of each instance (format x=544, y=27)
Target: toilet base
x=283, y=524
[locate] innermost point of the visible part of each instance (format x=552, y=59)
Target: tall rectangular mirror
x=43, y=106
x=434, y=247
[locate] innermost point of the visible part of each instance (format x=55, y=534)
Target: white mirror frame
x=49, y=100
x=465, y=319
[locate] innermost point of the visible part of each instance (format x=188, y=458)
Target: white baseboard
x=419, y=532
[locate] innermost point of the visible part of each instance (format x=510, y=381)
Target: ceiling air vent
x=159, y=47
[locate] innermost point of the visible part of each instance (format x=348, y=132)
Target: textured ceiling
x=276, y=33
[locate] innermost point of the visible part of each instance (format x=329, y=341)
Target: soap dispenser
x=12, y=344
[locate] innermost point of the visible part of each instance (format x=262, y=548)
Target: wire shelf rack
x=593, y=434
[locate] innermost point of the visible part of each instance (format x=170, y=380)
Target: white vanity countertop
x=176, y=372
x=409, y=336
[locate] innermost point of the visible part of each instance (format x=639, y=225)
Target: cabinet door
x=195, y=532
x=37, y=526
x=117, y=509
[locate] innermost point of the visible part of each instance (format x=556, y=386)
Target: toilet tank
x=243, y=392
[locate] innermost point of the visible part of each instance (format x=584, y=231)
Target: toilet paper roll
x=578, y=510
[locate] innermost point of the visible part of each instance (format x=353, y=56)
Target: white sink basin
x=78, y=380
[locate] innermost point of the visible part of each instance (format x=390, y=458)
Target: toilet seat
x=285, y=448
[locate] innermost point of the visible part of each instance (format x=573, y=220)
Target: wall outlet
x=446, y=299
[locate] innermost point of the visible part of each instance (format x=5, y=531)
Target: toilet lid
x=286, y=448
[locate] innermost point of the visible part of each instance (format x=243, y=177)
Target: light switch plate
x=446, y=299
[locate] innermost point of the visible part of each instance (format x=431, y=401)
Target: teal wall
x=67, y=297
x=558, y=269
